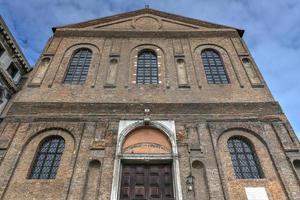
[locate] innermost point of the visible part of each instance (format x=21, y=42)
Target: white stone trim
x=125, y=127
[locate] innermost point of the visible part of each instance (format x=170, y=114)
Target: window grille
x=244, y=160
x=48, y=157
x=78, y=67
x=214, y=67
x=147, y=68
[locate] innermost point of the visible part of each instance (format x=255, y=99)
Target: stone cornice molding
x=93, y=109
x=13, y=45
x=143, y=34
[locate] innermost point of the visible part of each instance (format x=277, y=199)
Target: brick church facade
x=147, y=105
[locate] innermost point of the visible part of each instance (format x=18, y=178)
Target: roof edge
x=149, y=11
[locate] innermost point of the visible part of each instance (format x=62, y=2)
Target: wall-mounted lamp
x=190, y=182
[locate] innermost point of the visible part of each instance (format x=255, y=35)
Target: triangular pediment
x=148, y=20
x=145, y=22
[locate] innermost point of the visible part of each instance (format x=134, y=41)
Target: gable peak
x=147, y=12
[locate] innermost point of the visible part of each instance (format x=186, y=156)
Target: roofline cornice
x=17, y=52
x=163, y=34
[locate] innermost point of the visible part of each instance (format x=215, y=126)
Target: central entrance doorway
x=146, y=165
x=147, y=182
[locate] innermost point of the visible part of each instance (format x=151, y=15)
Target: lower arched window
x=244, y=159
x=47, y=158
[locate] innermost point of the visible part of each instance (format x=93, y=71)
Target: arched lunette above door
x=146, y=141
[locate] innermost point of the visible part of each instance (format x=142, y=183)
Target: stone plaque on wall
x=256, y=193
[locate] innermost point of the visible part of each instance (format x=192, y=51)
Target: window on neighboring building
x=147, y=68
x=214, y=67
x=297, y=167
x=244, y=160
x=79, y=66
x=12, y=70
x=2, y=94
x=47, y=159
x=2, y=50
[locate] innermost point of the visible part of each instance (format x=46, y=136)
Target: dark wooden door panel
x=147, y=182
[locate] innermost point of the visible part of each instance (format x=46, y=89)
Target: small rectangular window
x=2, y=50
x=12, y=70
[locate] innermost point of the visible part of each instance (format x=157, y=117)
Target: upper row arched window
x=244, y=159
x=78, y=66
x=147, y=67
x=214, y=67
x=46, y=162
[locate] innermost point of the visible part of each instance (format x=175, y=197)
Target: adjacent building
x=147, y=105
x=13, y=66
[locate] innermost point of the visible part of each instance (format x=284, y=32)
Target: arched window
x=244, y=160
x=79, y=66
x=47, y=159
x=147, y=69
x=214, y=67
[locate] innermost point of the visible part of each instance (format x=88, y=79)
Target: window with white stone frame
x=12, y=70
x=2, y=50
x=2, y=94
x=296, y=164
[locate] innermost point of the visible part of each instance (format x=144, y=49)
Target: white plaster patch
x=256, y=193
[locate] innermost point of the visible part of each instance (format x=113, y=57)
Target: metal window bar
x=214, y=67
x=244, y=160
x=78, y=67
x=47, y=160
x=147, y=68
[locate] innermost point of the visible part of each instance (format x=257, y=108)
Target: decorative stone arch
x=237, y=186
x=225, y=57
x=252, y=133
x=167, y=128
x=60, y=132
x=160, y=63
x=69, y=52
x=139, y=124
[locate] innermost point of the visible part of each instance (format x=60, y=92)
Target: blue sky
x=272, y=31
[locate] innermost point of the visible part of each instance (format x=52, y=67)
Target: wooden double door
x=147, y=182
